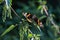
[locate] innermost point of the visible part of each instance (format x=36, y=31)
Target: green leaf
x=1, y=1
x=39, y=7
x=58, y=38
x=4, y=13
x=8, y=30
x=44, y=2
x=30, y=35
x=7, y=10
x=42, y=17
x=39, y=0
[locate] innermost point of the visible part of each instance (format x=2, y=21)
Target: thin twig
x=17, y=16
x=44, y=7
x=51, y=20
x=15, y=12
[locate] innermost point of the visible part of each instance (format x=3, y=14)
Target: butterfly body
x=31, y=17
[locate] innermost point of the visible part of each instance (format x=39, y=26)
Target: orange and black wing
x=31, y=17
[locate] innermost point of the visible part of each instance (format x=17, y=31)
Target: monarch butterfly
x=31, y=17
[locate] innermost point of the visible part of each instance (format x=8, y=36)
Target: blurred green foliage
x=13, y=27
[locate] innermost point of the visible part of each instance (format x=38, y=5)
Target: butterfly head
x=24, y=14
